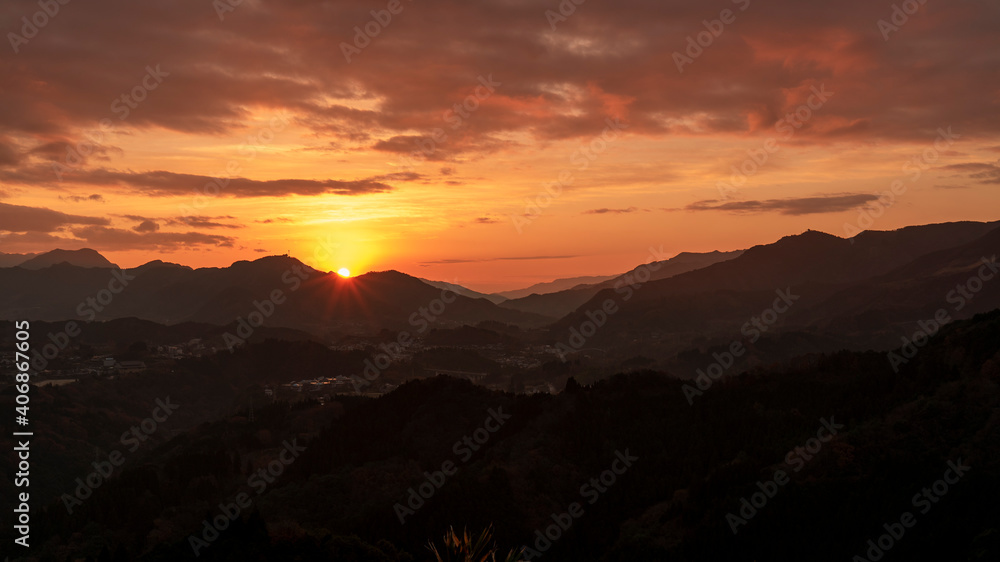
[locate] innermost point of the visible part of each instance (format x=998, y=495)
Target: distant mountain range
x=554, y=286
x=310, y=300
x=11, y=260
x=561, y=303
x=864, y=292
x=80, y=258
x=494, y=298
x=850, y=293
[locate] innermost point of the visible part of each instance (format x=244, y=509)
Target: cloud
x=399, y=176
x=108, y=238
x=163, y=183
x=526, y=258
x=982, y=172
x=65, y=151
x=518, y=258
x=41, y=227
x=8, y=154
x=970, y=167
x=81, y=198
x=606, y=60
x=426, y=147
x=147, y=226
x=611, y=211
x=18, y=218
x=278, y=219
x=487, y=220
x=793, y=206
x=43, y=240
x=204, y=222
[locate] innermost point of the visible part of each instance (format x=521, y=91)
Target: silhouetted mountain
x=161, y=264
x=561, y=303
x=866, y=289
x=464, y=291
x=917, y=290
x=12, y=260
x=554, y=286
x=665, y=269
x=285, y=291
x=81, y=258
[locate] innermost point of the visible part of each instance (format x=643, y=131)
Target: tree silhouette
x=463, y=548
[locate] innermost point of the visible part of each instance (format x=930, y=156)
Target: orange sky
x=369, y=165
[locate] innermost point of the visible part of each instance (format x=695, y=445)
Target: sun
x=344, y=272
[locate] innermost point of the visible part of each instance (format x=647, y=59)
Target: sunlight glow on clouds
x=335, y=168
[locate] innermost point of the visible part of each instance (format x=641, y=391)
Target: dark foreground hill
x=858, y=444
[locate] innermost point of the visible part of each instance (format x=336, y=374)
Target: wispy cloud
x=95, y=197
x=108, y=238
x=982, y=172
x=204, y=222
x=791, y=206
x=612, y=211
x=163, y=183
x=147, y=226
x=19, y=218
x=480, y=260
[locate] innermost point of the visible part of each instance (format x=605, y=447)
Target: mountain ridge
x=84, y=257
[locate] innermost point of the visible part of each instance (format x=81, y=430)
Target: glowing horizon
x=489, y=145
